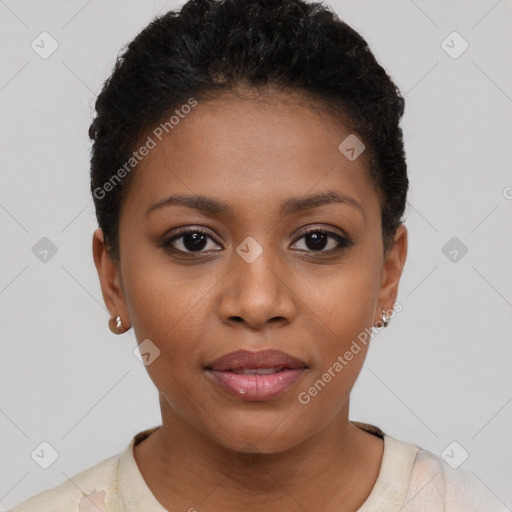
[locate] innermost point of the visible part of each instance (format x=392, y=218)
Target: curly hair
x=213, y=46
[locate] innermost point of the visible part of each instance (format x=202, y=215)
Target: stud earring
x=385, y=319
x=116, y=326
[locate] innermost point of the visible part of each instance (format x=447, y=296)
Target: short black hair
x=209, y=47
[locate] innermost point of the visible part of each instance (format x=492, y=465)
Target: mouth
x=258, y=371
x=256, y=376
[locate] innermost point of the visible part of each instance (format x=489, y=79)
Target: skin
x=214, y=451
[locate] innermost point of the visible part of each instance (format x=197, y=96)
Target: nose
x=258, y=293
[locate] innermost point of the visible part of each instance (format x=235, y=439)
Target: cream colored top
x=411, y=479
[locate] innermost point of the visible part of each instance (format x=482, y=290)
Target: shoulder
x=94, y=489
x=434, y=485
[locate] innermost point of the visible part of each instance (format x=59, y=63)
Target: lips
x=264, y=359
x=256, y=375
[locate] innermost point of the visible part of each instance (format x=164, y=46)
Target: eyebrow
x=288, y=207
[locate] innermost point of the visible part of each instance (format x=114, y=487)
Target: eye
x=188, y=241
x=195, y=240
x=316, y=240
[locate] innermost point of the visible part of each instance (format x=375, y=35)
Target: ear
x=110, y=279
x=392, y=269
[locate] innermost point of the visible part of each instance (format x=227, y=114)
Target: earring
x=385, y=319
x=116, y=326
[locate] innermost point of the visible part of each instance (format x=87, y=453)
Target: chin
x=249, y=433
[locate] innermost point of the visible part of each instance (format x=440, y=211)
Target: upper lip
x=244, y=359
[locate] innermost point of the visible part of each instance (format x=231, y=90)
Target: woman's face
x=248, y=276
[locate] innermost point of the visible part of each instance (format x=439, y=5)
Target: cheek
x=172, y=307
x=344, y=318
x=164, y=298
x=171, y=314
x=343, y=298
x=341, y=306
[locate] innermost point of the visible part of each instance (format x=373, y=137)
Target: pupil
x=318, y=240
x=194, y=241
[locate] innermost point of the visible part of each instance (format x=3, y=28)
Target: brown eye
x=317, y=240
x=191, y=240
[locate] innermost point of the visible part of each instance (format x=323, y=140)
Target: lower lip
x=255, y=386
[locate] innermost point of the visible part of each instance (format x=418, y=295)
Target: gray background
x=440, y=373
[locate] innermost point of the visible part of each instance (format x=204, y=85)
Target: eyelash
x=343, y=243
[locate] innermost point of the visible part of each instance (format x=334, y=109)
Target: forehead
x=243, y=146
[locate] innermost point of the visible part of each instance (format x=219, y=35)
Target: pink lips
x=256, y=376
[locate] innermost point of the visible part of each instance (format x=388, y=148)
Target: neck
x=185, y=468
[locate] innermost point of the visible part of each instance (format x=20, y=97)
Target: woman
x=249, y=179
